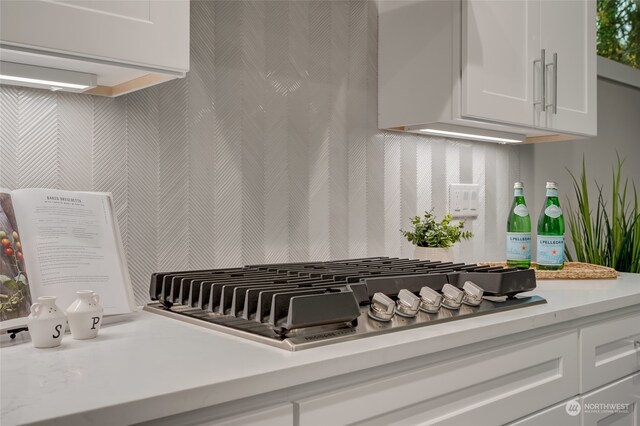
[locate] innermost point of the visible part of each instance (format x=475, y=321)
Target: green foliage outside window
x=618, y=31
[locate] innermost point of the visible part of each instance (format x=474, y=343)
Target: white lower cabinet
x=492, y=387
x=280, y=415
x=616, y=404
x=586, y=375
x=610, y=350
x=556, y=415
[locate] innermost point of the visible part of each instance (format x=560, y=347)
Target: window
x=618, y=31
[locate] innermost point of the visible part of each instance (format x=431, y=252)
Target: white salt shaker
x=46, y=323
x=85, y=315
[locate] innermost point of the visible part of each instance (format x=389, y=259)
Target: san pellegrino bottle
x=519, y=230
x=550, y=249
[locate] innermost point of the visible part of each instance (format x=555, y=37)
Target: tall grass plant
x=608, y=235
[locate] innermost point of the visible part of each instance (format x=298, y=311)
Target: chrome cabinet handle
x=543, y=80
x=554, y=101
x=555, y=83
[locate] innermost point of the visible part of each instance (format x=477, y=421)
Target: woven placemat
x=571, y=271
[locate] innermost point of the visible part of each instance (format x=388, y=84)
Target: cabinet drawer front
x=615, y=404
x=609, y=351
x=490, y=387
x=280, y=415
x=556, y=415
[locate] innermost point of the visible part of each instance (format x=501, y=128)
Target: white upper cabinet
x=128, y=44
x=485, y=70
x=499, y=47
x=568, y=35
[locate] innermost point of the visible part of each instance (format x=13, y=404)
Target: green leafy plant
x=427, y=232
x=608, y=236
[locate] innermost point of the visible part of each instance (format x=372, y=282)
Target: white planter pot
x=433, y=253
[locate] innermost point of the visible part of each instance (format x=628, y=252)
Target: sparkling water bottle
x=519, y=230
x=550, y=248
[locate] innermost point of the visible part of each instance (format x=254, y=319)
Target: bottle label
x=550, y=250
x=553, y=211
x=552, y=192
x=521, y=210
x=518, y=192
x=518, y=245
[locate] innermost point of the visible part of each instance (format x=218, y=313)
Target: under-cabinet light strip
x=469, y=135
x=53, y=84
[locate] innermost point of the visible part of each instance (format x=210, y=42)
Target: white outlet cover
x=463, y=199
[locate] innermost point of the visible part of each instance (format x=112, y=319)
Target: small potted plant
x=433, y=240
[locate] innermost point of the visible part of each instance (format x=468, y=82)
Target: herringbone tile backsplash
x=267, y=152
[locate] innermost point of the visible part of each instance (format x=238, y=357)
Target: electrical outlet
x=463, y=199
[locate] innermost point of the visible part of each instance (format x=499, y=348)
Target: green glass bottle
x=519, y=231
x=550, y=248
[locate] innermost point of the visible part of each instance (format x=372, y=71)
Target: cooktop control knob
x=407, y=304
x=381, y=308
x=451, y=297
x=430, y=300
x=472, y=294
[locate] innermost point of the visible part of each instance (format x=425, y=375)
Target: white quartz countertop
x=151, y=366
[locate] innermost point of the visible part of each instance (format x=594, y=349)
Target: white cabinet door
x=609, y=350
x=148, y=33
x=499, y=45
x=281, y=415
x=613, y=405
x=276, y=415
x=488, y=388
x=556, y=415
x=568, y=30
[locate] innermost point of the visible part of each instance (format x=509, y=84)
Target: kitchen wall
x=618, y=130
x=267, y=152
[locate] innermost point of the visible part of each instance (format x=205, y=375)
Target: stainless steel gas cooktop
x=301, y=305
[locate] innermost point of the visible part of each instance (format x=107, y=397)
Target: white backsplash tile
x=268, y=151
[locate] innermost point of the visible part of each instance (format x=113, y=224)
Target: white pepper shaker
x=85, y=315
